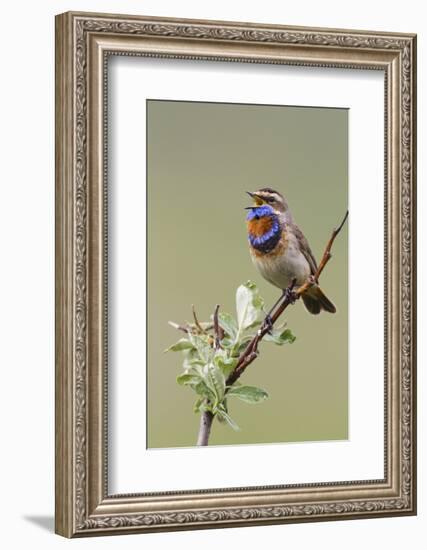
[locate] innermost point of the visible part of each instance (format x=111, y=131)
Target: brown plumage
x=314, y=299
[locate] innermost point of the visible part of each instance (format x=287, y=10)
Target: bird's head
x=269, y=197
x=264, y=218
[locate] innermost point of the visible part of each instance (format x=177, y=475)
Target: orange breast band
x=260, y=227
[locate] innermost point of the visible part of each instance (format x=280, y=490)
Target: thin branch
x=191, y=329
x=219, y=333
x=327, y=254
x=179, y=327
x=196, y=321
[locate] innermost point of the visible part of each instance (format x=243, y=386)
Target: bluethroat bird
x=279, y=249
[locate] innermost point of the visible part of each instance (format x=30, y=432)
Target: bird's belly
x=281, y=269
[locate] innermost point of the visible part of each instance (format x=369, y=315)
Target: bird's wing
x=305, y=248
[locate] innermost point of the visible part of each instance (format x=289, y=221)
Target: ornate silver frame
x=83, y=505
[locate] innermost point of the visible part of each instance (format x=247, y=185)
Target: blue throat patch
x=268, y=241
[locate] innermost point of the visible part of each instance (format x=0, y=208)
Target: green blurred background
x=202, y=157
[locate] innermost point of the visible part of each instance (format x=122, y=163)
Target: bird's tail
x=315, y=301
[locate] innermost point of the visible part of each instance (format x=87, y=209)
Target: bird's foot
x=268, y=323
x=290, y=295
x=312, y=280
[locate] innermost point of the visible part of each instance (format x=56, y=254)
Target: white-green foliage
x=206, y=369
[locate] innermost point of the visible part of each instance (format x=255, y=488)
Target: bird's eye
x=270, y=199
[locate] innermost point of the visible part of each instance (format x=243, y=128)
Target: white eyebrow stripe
x=269, y=195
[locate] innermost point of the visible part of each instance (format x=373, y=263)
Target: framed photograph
x=235, y=274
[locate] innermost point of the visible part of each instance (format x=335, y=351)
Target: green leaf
x=182, y=344
x=248, y=394
x=204, y=390
x=280, y=337
x=225, y=364
x=228, y=324
x=197, y=404
x=201, y=343
x=201, y=405
x=249, y=306
x=217, y=381
x=205, y=406
x=227, y=343
x=189, y=364
x=188, y=379
x=191, y=358
x=224, y=416
x=240, y=346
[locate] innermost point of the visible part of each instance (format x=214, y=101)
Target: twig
x=191, y=329
x=219, y=334
x=196, y=321
x=179, y=327
x=327, y=254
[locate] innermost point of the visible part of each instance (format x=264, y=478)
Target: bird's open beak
x=251, y=195
x=256, y=198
